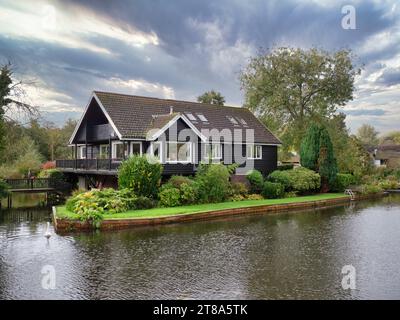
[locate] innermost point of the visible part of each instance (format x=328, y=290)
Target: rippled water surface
x=296, y=255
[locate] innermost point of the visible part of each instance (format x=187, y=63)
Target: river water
x=289, y=256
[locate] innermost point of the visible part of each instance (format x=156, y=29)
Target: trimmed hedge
x=300, y=180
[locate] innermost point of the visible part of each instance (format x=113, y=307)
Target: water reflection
x=296, y=255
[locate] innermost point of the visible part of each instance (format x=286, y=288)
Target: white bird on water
x=47, y=234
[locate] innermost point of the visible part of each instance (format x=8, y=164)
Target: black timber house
x=179, y=134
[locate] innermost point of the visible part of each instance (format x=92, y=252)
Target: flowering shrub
x=49, y=165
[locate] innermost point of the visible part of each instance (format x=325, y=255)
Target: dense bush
x=300, y=180
x=176, y=181
x=254, y=196
x=3, y=189
x=212, y=183
x=188, y=193
x=140, y=175
x=256, y=181
x=106, y=201
x=273, y=190
x=186, y=187
x=388, y=184
x=370, y=189
x=142, y=202
x=343, y=181
x=239, y=188
x=285, y=167
x=170, y=197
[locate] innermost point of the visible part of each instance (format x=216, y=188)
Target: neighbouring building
x=386, y=155
x=179, y=134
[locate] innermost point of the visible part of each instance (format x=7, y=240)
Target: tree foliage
x=288, y=88
x=368, y=135
x=316, y=153
x=309, y=149
x=212, y=97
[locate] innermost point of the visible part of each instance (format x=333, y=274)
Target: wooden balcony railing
x=89, y=164
x=113, y=164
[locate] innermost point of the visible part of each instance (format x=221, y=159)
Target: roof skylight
x=191, y=117
x=202, y=117
x=233, y=120
x=243, y=122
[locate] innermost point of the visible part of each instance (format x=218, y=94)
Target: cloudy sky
x=181, y=48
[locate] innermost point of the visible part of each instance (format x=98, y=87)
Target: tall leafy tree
x=5, y=83
x=368, y=135
x=293, y=87
x=309, y=149
x=316, y=153
x=212, y=97
x=327, y=166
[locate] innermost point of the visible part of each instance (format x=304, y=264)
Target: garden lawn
x=62, y=212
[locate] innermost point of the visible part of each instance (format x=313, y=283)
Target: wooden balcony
x=110, y=167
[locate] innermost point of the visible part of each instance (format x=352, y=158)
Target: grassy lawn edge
x=63, y=213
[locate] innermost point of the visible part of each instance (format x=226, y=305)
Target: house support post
x=76, y=156
x=109, y=153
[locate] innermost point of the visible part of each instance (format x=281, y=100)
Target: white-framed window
x=136, y=148
x=119, y=150
x=104, y=151
x=156, y=150
x=178, y=152
x=253, y=151
x=83, y=152
x=213, y=151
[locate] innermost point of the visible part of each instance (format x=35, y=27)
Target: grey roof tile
x=134, y=115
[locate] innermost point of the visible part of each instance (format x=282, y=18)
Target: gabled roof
x=132, y=116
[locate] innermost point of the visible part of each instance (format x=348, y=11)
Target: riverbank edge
x=62, y=225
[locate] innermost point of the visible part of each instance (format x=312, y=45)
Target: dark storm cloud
x=202, y=44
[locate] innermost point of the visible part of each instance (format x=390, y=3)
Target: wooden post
x=76, y=156
x=109, y=153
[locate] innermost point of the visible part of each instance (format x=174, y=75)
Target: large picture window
x=253, y=151
x=179, y=152
x=213, y=151
x=104, y=150
x=83, y=152
x=156, y=150
x=118, y=150
x=136, y=148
